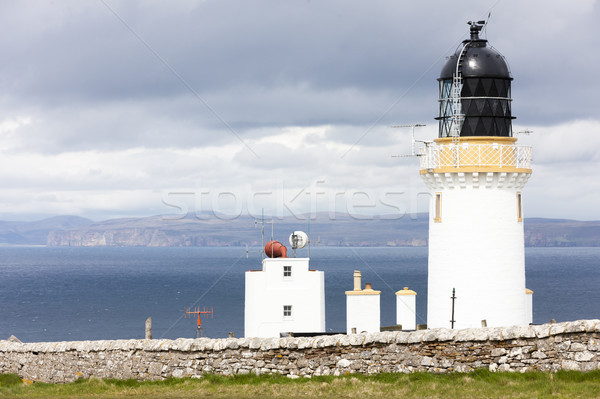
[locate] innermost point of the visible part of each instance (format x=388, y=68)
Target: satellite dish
x=298, y=239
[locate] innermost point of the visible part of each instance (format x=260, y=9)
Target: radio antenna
x=197, y=312
x=413, y=139
x=262, y=231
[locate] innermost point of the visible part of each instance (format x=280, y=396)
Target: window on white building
x=438, y=208
x=287, y=310
x=287, y=271
x=519, y=208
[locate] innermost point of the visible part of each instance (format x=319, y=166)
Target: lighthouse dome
x=475, y=97
x=478, y=61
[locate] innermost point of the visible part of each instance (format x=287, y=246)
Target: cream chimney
x=357, y=282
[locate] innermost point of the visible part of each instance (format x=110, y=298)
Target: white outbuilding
x=406, y=309
x=284, y=296
x=363, y=311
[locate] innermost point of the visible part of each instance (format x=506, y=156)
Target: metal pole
x=309, y=211
x=272, y=228
x=413, y=140
x=453, y=297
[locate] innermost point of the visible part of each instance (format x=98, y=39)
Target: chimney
x=357, y=282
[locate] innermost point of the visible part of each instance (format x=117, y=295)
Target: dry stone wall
x=549, y=347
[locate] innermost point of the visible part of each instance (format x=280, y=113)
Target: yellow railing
x=494, y=155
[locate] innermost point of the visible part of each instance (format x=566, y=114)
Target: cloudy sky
x=115, y=108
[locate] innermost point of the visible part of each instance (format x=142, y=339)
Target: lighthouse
x=476, y=171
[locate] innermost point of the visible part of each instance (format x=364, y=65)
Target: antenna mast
x=413, y=140
x=526, y=132
x=262, y=231
x=198, y=312
x=309, y=234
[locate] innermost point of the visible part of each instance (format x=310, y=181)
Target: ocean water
x=60, y=294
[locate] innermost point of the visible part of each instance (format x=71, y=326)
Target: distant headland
x=221, y=231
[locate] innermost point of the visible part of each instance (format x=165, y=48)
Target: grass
x=478, y=384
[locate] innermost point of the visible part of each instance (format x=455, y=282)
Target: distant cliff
x=561, y=233
x=339, y=230
x=36, y=232
x=158, y=231
x=325, y=229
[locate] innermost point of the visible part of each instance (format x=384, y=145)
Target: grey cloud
x=264, y=66
x=270, y=63
x=87, y=55
x=82, y=54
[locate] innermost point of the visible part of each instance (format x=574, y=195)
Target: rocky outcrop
x=549, y=347
x=156, y=231
x=124, y=238
x=332, y=230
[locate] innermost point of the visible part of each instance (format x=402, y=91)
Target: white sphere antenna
x=298, y=239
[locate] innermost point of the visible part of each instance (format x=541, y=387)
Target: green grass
x=478, y=384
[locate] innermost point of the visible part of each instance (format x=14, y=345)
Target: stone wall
x=549, y=347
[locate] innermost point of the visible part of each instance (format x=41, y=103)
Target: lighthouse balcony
x=461, y=156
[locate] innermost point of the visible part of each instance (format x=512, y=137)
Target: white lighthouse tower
x=475, y=172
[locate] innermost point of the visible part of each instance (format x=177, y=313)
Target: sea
x=75, y=293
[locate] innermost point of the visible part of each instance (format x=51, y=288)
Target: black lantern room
x=475, y=91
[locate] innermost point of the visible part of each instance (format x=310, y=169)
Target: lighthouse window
x=287, y=310
x=287, y=271
x=519, y=208
x=438, y=208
